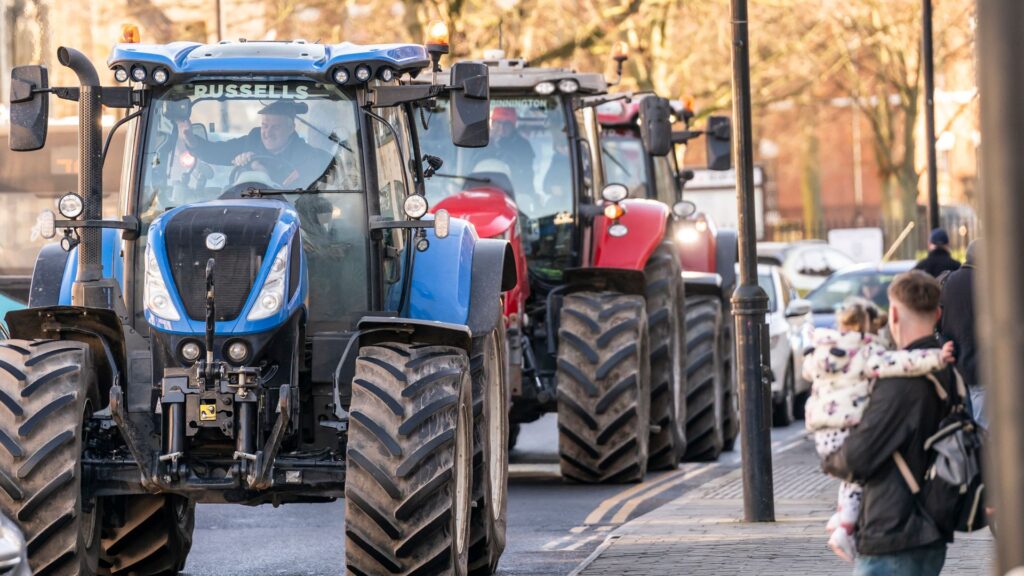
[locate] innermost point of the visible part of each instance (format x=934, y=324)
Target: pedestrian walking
x=894, y=535
x=939, y=259
x=957, y=326
x=841, y=366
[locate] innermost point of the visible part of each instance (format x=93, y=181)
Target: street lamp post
x=1001, y=84
x=929, y=112
x=750, y=302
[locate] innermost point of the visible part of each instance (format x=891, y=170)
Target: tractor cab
x=273, y=278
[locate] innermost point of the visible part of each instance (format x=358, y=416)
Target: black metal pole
x=750, y=303
x=929, y=112
x=1001, y=309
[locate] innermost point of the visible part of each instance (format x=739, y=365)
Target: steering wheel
x=270, y=165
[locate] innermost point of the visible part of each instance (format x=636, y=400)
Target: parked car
x=6, y=305
x=870, y=281
x=787, y=317
x=806, y=263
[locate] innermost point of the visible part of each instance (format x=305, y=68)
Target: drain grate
x=791, y=483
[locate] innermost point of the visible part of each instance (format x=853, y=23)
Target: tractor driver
x=274, y=148
x=509, y=146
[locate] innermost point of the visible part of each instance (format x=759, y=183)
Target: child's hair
x=860, y=315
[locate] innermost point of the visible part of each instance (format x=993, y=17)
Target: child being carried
x=842, y=366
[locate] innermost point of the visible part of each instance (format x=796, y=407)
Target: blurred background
x=837, y=85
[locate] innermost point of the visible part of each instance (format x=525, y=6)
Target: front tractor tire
x=48, y=389
x=666, y=329
x=409, y=461
x=490, y=453
x=704, y=374
x=603, y=380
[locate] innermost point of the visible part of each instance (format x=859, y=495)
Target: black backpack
x=953, y=491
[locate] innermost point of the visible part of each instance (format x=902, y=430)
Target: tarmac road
x=552, y=528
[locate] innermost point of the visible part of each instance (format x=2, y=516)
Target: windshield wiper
x=458, y=177
x=263, y=192
x=612, y=157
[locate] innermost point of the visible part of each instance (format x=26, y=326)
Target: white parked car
x=806, y=263
x=789, y=324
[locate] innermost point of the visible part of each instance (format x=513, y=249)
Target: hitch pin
x=172, y=457
x=244, y=456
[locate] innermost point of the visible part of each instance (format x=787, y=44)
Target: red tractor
x=708, y=254
x=601, y=322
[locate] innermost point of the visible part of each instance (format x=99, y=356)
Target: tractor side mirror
x=471, y=106
x=30, y=108
x=656, y=125
x=719, y=143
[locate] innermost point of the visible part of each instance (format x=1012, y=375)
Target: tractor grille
x=248, y=232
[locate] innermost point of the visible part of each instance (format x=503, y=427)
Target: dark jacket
x=310, y=161
x=938, y=261
x=957, y=323
x=901, y=414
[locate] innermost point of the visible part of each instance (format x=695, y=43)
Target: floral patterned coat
x=842, y=368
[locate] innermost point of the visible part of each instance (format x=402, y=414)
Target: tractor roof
x=257, y=58
x=517, y=74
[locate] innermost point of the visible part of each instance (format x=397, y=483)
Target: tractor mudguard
x=48, y=277
x=442, y=276
x=459, y=279
x=113, y=266
x=645, y=222
x=702, y=284
x=494, y=272
x=376, y=329
x=726, y=255
x=622, y=280
x=100, y=328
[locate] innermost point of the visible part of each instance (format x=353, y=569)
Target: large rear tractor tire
x=704, y=399
x=490, y=453
x=666, y=329
x=152, y=538
x=410, y=456
x=603, y=388
x=48, y=390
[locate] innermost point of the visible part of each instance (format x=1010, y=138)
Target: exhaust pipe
x=90, y=172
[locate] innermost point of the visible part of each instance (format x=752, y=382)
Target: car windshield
x=528, y=158
x=871, y=284
x=765, y=281
x=218, y=139
x=624, y=163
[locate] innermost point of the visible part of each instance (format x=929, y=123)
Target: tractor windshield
x=216, y=140
x=624, y=163
x=529, y=153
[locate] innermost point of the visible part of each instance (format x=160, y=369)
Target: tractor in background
x=602, y=328
x=274, y=318
x=707, y=254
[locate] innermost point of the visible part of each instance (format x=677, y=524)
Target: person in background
x=939, y=259
x=893, y=533
x=511, y=147
x=957, y=326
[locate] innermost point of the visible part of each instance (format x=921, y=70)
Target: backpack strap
x=908, y=476
x=940, y=390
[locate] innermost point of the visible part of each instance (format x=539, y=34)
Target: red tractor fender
x=494, y=215
x=645, y=222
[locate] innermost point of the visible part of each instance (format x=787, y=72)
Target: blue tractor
x=275, y=318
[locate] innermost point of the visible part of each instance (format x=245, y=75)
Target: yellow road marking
x=608, y=503
x=623, y=514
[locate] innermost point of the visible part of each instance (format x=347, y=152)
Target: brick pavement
x=701, y=533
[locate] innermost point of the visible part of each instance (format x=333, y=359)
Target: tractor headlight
x=568, y=86
x=544, y=88
x=155, y=293
x=271, y=296
x=237, y=351
x=70, y=206
x=191, y=351
x=362, y=73
x=415, y=206
x=687, y=235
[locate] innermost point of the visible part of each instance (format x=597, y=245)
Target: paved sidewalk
x=701, y=532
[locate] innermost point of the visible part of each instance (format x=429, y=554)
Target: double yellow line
x=631, y=498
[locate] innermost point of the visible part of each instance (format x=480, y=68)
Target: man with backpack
x=957, y=325
x=894, y=533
